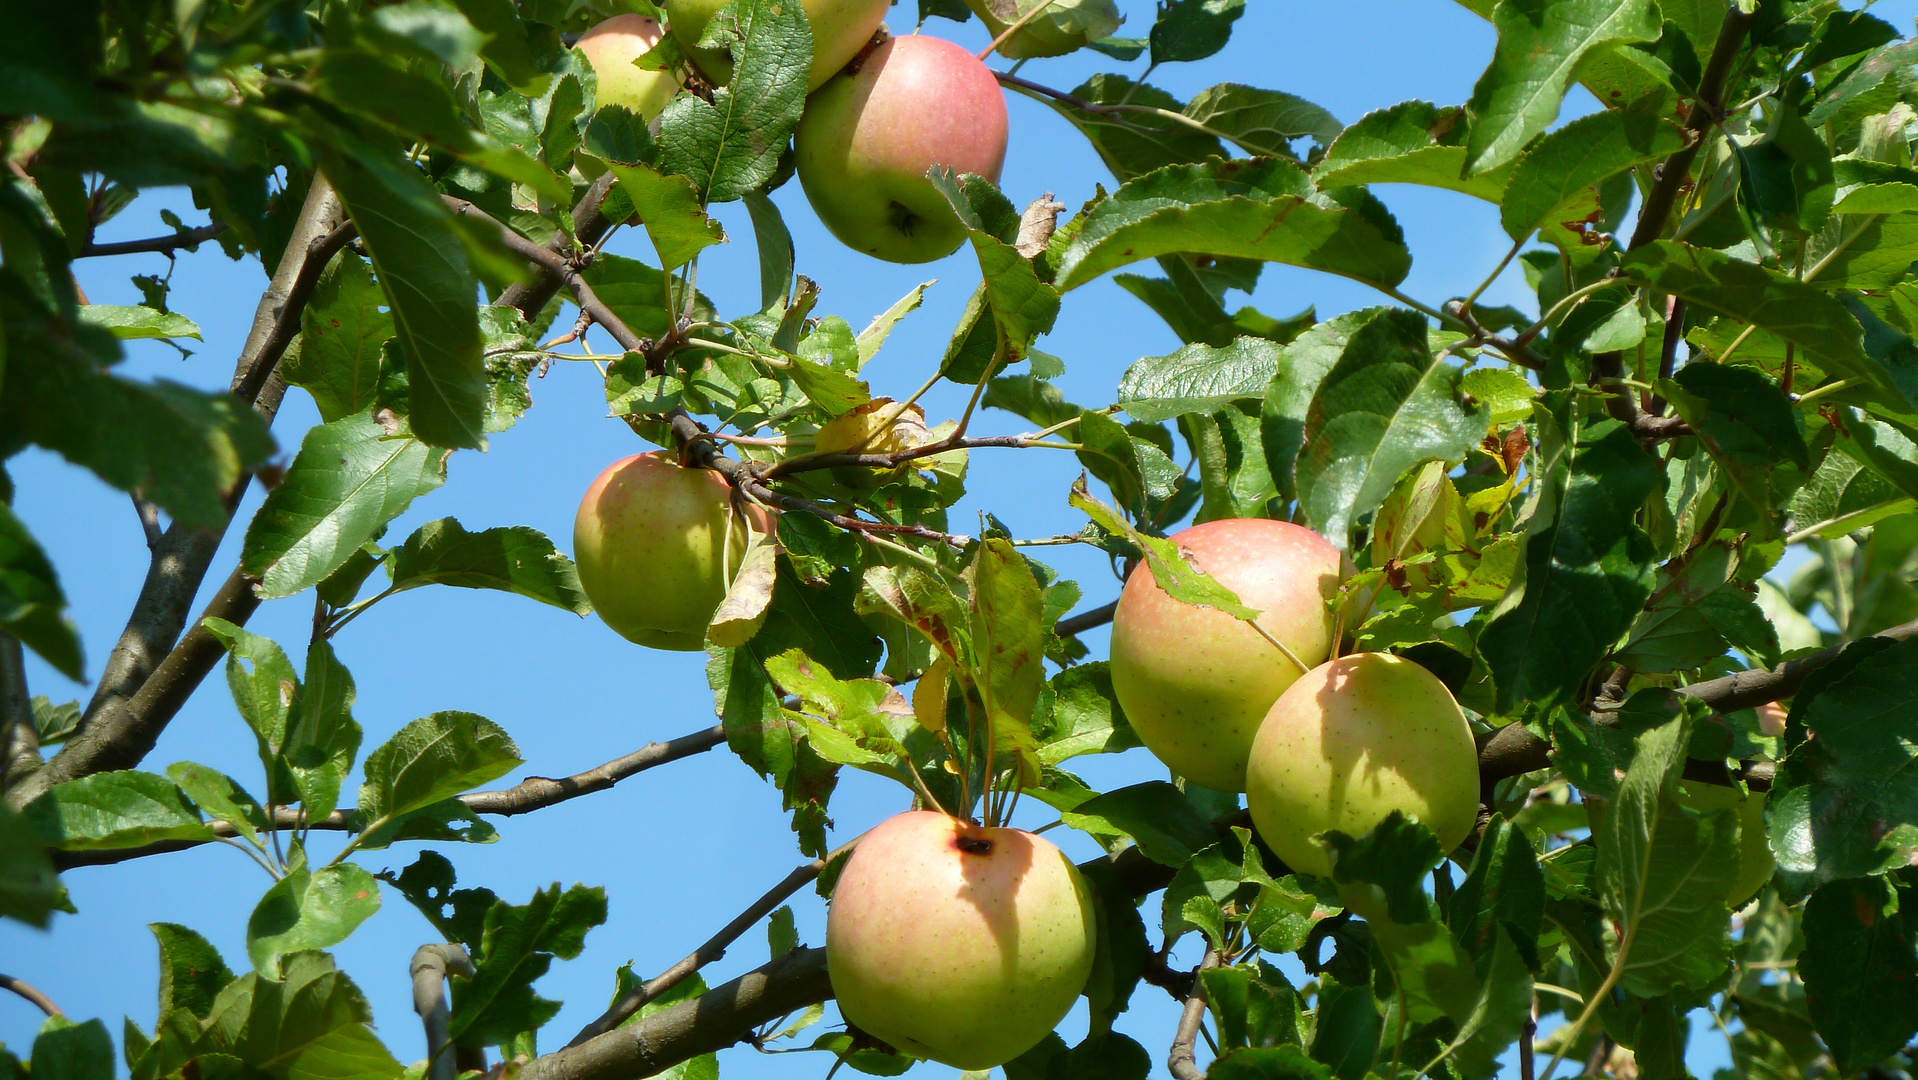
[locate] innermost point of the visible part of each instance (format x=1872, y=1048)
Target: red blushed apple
x=612, y=46
x=1196, y=682
x=657, y=546
x=961, y=944
x=1352, y=741
x=870, y=134
x=840, y=28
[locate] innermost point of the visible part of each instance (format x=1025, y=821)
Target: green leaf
x=1198, y=379
x=1388, y=405
x=1540, y=44
x=1586, y=569
x=1413, y=142
x=322, y=739
x=873, y=337
x=53, y=724
x=192, y=973
x=670, y=206
x=435, y=757
x=514, y=559
x=1157, y=816
x=128, y=322
x=1181, y=580
x=1008, y=636
x=65, y=1050
x=731, y=145
x=432, y=27
x=1259, y=212
x=1860, y=970
x=1664, y=871
x=1189, y=30
x=1136, y=143
x=635, y=292
x=32, y=607
x=1846, y=803
x=517, y=947
x=1261, y=122
x=309, y=1024
x=1745, y=421
x=350, y=478
x=309, y=910
x=179, y=448
x=1578, y=156
x=775, y=243
x=422, y=265
x=264, y=696
x=29, y=891
x=1269, y=1063
x=114, y=810
x=1079, y=714
x=220, y=796
x=1302, y=366
x=341, y=334
x=1765, y=298
x=1055, y=29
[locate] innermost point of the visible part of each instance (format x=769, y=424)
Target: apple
x=612, y=46
x=840, y=28
x=961, y=944
x=869, y=136
x=1771, y=718
x=1196, y=682
x=1353, y=740
x=657, y=546
x=1755, y=861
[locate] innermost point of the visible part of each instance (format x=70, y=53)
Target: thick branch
x=1676, y=170
x=1512, y=750
x=590, y=225
x=1182, y=1061
x=712, y=950
x=530, y=794
x=431, y=964
x=181, y=556
x=1085, y=620
x=19, y=741
x=185, y=238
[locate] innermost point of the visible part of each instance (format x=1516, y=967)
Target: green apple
x=1350, y=742
x=612, y=46
x=1196, y=682
x=840, y=28
x=961, y=944
x=1755, y=861
x=657, y=546
x=869, y=136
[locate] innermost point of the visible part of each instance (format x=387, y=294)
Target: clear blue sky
x=682, y=848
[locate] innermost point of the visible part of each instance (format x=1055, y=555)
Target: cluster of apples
x=876, y=118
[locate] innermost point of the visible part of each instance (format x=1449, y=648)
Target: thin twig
x=1676, y=169
x=26, y=990
x=533, y=793
x=185, y=238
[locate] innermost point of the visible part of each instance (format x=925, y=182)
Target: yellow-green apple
x=1754, y=853
x=869, y=136
x=1353, y=740
x=657, y=545
x=961, y=944
x=1196, y=682
x=840, y=28
x=612, y=46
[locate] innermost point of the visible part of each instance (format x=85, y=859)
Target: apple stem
x=919, y=782
x=1013, y=29
x=1279, y=645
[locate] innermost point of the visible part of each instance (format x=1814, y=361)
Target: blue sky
x=681, y=848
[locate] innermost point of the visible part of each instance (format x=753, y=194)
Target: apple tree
x=1564, y=654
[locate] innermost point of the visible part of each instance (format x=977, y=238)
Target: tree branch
x=1085, y=620
x=431, y=964
x=1512, y=750
x=530, y=794
x=1182, y=1060
x=590, y=225
x=562, y=269
x=25, y=990
x=19, y=741
x=714, y=948
x=181, y=556
x=185, y=238
x=1675, y=171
